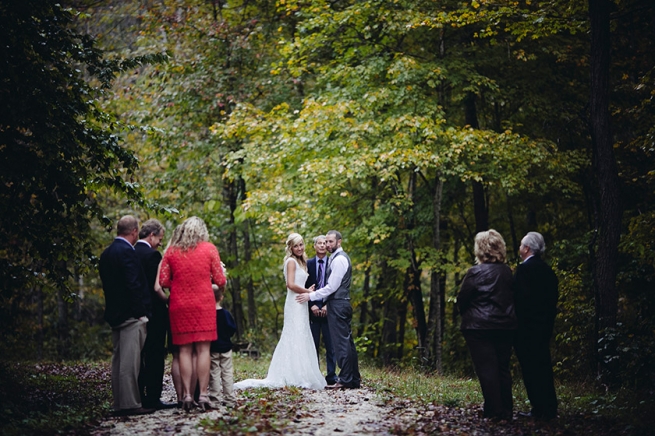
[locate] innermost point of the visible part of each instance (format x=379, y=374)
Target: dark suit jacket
x=536, y=296
x=124, y=283
x=311, y=280
x=150, y=259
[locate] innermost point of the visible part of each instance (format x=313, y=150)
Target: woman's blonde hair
x=490, y=247
x=292, y=240
x=189, y=234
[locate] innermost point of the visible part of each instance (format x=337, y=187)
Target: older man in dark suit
x=536, y=306
x=127, y=307
x=316, y=268
x=154, y=351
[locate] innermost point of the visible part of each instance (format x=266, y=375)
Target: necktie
x=320, y=274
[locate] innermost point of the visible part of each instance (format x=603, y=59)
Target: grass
x=407, y=383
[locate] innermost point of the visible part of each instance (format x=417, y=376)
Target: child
x=221, y=375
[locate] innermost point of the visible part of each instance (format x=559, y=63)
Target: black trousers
x=339, y=316
x=491, y=351
x=153, y=357
x=320, y=326
x=533, y=351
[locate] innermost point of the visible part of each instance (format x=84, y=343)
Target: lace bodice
x=301, y=275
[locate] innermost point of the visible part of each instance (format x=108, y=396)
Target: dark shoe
x=132, y=412
x=503, y=417
x=338, y=386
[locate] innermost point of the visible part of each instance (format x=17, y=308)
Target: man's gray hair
x=534, y=241
x=152, y=226
x=316, y=238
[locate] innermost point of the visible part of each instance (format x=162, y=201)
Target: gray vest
x=343, y=292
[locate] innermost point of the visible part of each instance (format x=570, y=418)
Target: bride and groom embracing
x=295, y=360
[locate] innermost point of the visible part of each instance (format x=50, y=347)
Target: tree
x=606, y=172
x=57, y=150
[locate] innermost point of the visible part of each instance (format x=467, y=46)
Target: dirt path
x=351, y=412
x=319, y=413
x=359, y=412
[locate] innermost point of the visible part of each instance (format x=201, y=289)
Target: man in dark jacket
x=127, y=307
x=536, y=305
x=154, y=352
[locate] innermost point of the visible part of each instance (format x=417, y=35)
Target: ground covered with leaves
x=76, y=398
x=50, y=398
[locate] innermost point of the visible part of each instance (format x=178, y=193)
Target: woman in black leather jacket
x=486, y=303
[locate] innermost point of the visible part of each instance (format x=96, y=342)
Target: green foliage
x=58, y=153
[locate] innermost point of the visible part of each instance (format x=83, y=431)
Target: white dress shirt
x=143, y=241
x=339, y=266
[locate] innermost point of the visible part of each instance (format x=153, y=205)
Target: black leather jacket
x=486, y=300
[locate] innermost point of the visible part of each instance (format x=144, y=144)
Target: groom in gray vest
x=336, y=293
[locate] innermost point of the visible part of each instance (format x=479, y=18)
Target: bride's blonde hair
x=292, y=240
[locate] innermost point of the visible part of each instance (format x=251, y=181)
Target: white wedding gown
x=294, y=362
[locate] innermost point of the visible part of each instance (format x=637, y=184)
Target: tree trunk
x=38, y=292
x=231, y=195
x=250, y=288
x=247, y=257
x=480, y=206
x=63, y=335
x=415, y=296
x=412, y=283
x=388, y=300
x=435, y=320
x=604, y=164
x=388, y=336
x=363, y=308
x=512, y=228
x=80, y=296
x=402, y=320
x=456, y=279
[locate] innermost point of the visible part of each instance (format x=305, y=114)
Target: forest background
x=408, y=125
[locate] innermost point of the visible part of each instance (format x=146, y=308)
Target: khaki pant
x=221, y=379
x=128, y=339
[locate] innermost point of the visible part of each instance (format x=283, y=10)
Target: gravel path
x=322, y=413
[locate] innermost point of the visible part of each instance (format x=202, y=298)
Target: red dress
x=192, y=305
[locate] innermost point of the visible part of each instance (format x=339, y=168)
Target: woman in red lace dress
x=189, y=267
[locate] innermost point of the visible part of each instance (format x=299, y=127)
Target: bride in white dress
x=294, y=362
